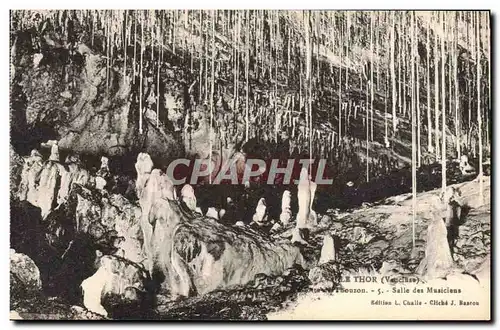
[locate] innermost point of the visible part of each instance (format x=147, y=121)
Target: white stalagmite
x=306, y=217
x=305, y=199
x=54, y=152
x=188, y=197
x=104, y=163
x=327, y=250
x=100, y=183
x=212, y=213
x=438, y=261
x=260, y=215
x=286, y=213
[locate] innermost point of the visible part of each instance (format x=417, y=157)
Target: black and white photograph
x=250, y=165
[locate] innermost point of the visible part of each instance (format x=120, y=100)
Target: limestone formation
x=151, y=186
x=325, y=277
x=306, y=217
x=122, y=280
x=465, y=167
x=438, y=261
x=197, y=254
x=297, y=237
x=286, y=213
x=276, y=228
x=25, y=276
x=103, y=171
x=188, y=197
x=100, y=183
x=260, y=215
x=47, y=184
x=212, y=213
x=54, y=152
x=454, y=214
x=327, y=250
x=29, y=177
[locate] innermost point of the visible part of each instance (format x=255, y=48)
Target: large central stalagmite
x=193, y=254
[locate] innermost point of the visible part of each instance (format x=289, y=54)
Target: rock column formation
x=306, y=217
x=192, y=254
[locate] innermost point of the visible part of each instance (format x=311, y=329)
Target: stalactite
x=443, y=107
x=340, y=87
x=207, y=59
x=309, y=81
x=428, y=76
x=405, y=64
x=371, y=74
x=386, y=96
x=160, y=60
x=212, y=85
x=141, y=74
x=238, y=25
x=488, y=85
x=469, y=73
x=174, y=25
x=455, y=66
x=347, y=47
x=247, y=60
x=400, y=55
x=479, y=113
x=413, y=128
x=135, y=47
x=288, y=54
x=275, y=87
x=393, y=73
x=376, y=55
x=436, y=93
x=417, y=78
x=108, y=44
x=367, y=109
x=125, y=46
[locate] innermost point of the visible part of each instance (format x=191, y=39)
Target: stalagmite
x=438, y=261
x=54, y=150
x=102, y=174
x=306, y=217
x=465, y=167
x=212, y=213
x=286, y=213
x=260, y=215
x=188, y=197
x=304, y=198
x=104, y=168
x=327, y=250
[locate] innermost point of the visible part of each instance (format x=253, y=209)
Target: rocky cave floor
x=365, y=238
